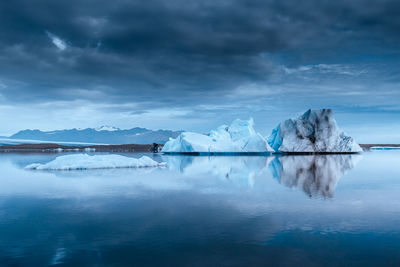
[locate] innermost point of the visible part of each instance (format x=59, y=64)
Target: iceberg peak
x=239, y=137
x=315, y=131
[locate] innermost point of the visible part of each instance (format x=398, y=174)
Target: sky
x=193, y=65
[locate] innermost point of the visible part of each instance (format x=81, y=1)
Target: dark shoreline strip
x=256, y=153
x=128, y=148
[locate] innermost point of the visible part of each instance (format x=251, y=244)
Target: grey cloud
x=184, y=53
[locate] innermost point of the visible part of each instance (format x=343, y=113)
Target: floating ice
x=239, y=137
x=314, y=131
x=84, y=161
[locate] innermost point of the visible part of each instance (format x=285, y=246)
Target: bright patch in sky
x=60, y=44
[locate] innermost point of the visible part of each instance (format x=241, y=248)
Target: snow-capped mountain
x=102, y=135
x=107, y=128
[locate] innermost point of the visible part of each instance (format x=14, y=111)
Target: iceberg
x=84, y=161
x=239, y=137
x=315, y=131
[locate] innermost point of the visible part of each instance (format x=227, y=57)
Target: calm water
x=201, y=211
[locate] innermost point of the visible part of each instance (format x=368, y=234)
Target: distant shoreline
x=126, y=148
x=56, y=148
x=368, y=146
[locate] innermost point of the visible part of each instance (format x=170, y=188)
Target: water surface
x=330, y=210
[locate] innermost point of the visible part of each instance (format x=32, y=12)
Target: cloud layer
x=178, y=60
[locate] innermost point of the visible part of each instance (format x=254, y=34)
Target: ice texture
x=314, y=131
x=239, y=137
x=85, y=161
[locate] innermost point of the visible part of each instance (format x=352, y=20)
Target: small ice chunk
x=84, y=161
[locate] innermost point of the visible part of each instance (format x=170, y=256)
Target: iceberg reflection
x=238, y=169
x=316, y=175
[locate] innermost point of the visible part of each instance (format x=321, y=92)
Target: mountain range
x=101, y=135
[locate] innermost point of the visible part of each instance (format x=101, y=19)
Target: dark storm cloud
x=178, y=52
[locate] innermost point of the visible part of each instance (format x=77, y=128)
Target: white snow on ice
x=314, y=131
x=85, y=161
x=240, y=136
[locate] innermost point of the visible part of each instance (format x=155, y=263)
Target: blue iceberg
x=239, y=137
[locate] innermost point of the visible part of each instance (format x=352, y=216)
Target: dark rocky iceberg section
x=315, y=131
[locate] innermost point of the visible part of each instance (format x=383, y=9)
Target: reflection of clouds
x=241, y=170
x=316, y=175
x=59, y=256
x=89, y=183
x=123, y=230
x=92, y=219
